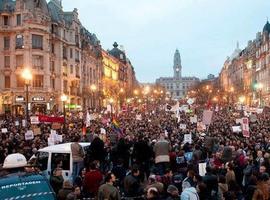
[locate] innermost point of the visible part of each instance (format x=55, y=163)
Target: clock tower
x=177, y=67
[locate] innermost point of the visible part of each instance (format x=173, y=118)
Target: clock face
x=177, y=69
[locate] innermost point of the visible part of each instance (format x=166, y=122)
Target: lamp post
x=64, y=99
x=93, y=88
x=27, y=76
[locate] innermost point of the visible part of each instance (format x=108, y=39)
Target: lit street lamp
x=27, y=76
x=64, y=99
x=93, y=88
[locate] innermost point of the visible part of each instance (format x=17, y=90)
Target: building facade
x=247, y=72
x=62, y=55
x=177, y=86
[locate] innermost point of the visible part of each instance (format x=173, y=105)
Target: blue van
x=25, y=186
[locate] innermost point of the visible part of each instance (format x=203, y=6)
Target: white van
x=50, y=156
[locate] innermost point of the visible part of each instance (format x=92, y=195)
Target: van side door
x=62, y=160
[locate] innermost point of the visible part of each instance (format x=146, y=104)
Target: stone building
x=248, y=70
x=177, y=85
x=63, y=56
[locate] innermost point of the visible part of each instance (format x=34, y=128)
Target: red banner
x=44, y=118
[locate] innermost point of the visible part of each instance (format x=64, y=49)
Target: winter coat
x=189, y=194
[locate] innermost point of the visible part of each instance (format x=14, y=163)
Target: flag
x=116, y=127
x=87, y=119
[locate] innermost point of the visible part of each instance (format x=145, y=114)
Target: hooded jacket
x=190, y=194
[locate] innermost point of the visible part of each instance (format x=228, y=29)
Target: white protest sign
x=236, y=129
x=238, y=121
x=166, y=133
x=139, y=117
x=50, y=141
x=193, y=119
x=259, y=110
x=29, y=135
x=102, y=131
x=190, y=101
x=4, y=130
x=60, y=138
x=188, y=138
x=202, y=169
x=17, y=123
x=23, y=123
x=253, y=118
x=207, y=117
x=183, y=126
x=34, y=120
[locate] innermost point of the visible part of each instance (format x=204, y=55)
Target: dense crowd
x=146, y=158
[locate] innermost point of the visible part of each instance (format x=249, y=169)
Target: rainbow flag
x=116, y=127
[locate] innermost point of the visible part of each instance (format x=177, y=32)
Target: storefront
x=19, y=106
x=38, y=104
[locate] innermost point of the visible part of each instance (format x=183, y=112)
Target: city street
x=170, y=116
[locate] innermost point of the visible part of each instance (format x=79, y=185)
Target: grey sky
x=204, y=31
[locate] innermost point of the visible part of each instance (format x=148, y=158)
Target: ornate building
x=248, y=70
x=177, y=85
x=62, y=55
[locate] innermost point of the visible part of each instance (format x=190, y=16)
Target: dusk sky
x=204, y=31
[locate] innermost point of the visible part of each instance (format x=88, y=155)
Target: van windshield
x=34, y=187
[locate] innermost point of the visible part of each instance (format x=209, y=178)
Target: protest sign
x=139, y=117
x=201, y=126
x=239, y=121
x=56, y=126
x=17, y=123
x=23, y=123
x=236, y=129
x=36, y=131
x=207, y=117
x=245, y=128
x=29, y=135
x=202, y=169
x=193, y=119
x=34, y=120
x=183, y=126
x=4, y=130
x=188, y=138
x=102, y=131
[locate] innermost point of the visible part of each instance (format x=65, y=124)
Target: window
x=38, y=81
x=71, y=69
x=6, y=42
x=19, y=41
x=42, y=160
x=65, y=69
x=5, y=18
x=177, y=93
x=77, y=55
x=20, y=81
x=52, y=66
x=64, y=52
x=63, y=158
x=37, y=61
x=7, y=81
x=71, y=53
x=37, y=41
x=65, y=86
x=7, y=61
x=52, y=48
x=19, y=61
x=52, y=83
x=19, y=19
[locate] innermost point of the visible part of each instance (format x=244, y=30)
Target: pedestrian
x=107, y=191
x=77, y=157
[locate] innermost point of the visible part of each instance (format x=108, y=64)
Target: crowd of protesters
x=146, y=158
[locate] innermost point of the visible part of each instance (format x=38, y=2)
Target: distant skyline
x=204, y=31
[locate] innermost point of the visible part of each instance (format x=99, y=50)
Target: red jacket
x=92, y=181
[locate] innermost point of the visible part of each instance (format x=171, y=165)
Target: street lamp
x=93, y=88
x=64, y=99
x=27, y=76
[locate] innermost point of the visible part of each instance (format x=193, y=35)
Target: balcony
x=77, y=60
